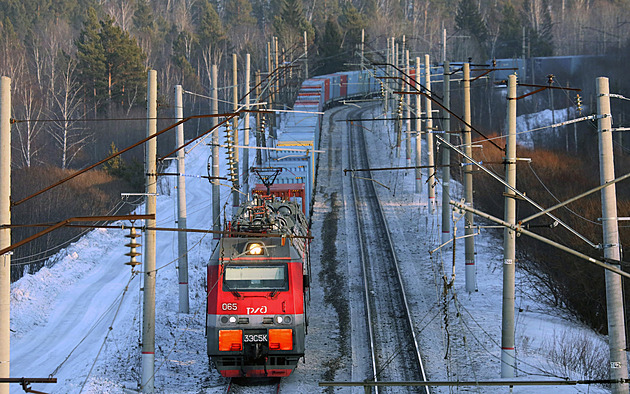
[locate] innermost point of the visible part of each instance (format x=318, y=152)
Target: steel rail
x=395, y=263
x=366, y=290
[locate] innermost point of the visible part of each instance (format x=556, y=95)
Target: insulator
x=133, y=245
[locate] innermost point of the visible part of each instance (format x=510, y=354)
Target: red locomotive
x=257, y=286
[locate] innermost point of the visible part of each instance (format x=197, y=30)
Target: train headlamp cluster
x=283, y=319
x=228, y=319
x=255, y=248
x=278, y=319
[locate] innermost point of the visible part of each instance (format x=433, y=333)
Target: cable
x=122, y=297
x=542, y=371
x=56, y=248
x=555, y=198
x=96, y=323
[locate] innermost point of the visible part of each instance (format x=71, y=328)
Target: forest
x=78, y=73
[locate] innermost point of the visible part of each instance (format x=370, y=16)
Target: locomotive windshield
x=256, y=278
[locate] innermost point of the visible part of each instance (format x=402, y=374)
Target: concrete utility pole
x=429, y=132
x=508, y=351
x=306, y=56
x=246, y=127
x=385, y=82
x=446, y=157
x=182, y=236
x=402, y=54
x=236, y=196
x=5, y=233
x=443, y=45
x=469, y=241
x=395, y=62
x=362, y=48
x=216, y=189
x=260, y=136
x=148, y=315
x=269, y=83
x=407, y=111
x=418, y=133
x=614, y=294
x=276, y=89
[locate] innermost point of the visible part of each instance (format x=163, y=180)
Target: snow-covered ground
x=79, y=321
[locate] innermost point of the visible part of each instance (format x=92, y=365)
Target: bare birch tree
x=66, y=106
x=29, y=109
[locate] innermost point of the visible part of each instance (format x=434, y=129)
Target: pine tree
x=510, y=34
x=91, y=55
x=111, y=64
x=330, y=47
x=210, y=30
x=125, y=65
x=352, y=22
x=290, y=23
x=468, y=19
x=182, y=51
x=239, y=13
x=143, y=17
x=540, y=38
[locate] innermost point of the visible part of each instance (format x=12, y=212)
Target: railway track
x=253, y=386
x=394, y=350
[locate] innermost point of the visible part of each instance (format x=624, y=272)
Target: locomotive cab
x=256, y=322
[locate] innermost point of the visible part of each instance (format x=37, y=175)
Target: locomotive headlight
x=255, y=248
x=283, y=319
x=232, y=319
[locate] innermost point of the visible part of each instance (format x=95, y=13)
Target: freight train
x=258, y=276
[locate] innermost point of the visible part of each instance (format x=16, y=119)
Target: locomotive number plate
x=255, y=338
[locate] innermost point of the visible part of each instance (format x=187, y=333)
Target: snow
x=528, y=122
x=80, y=321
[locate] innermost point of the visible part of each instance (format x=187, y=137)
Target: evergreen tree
x=544, y=35
x=469, y=20
x=290, y=23
x=352, y=22
x=239, y=13
x=111, y=64
x=538, y=15
x=126, y=73
x=91, y=56
x=509, y=43
x=143, y=17
x=182, y=51
x=330, y=47
x=210, y=30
